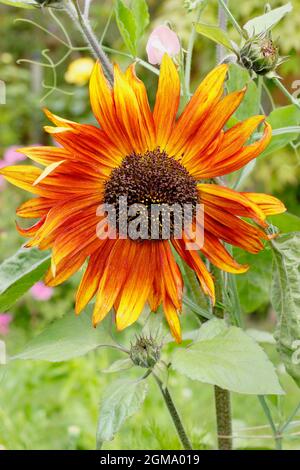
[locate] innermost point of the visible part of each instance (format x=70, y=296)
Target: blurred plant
x=5, y=320
x=79, y=71
x=40, y=291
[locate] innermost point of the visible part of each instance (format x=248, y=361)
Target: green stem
x=232, y=18
x=222, y=397
x=223, y=417
x=188, y=64
x=174, y=415
x=286, y=92
x=276, y=432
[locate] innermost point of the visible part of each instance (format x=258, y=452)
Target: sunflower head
x=150, y=157
x=145, y=351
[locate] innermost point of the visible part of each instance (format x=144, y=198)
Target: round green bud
x=260, y=55
x=145, y=352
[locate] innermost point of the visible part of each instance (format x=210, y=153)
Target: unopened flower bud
x=260, y=55
x=145, y=352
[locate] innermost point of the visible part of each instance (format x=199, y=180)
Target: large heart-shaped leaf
x=229, y=358
x=18, y=274
x=263, y=23
x=286, y=300
x=70, y=336
x=122, y=399
x=216, y=34
x=20, y=4
x=286, y=116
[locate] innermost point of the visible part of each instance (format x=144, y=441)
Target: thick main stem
x=222, y=397
x=223, y=418
x=175, y=416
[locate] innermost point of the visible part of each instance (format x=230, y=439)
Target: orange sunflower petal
x=23, y=176
x=205, y=97
x=230, y=200
x=167, y=101
x=135, y=291
x=270, y=205
x=118, y=265
x=193, y=260
x=219, y=256
x=142, y=99
x=103, y=106
x=211, y=127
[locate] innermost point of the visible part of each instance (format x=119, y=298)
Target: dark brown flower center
x=155, y=181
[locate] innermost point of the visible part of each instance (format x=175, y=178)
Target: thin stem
x=223, y=417
x=106, y=26
x=231, y=18
x=269, y=94
x=275, y=431
x=289, y=420
x=222, y=25
x=88, y=34
x=286, y=92
x=174, y=415
x=188, y=64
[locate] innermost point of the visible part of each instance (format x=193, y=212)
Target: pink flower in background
x=41, y=292
x=10, y=157
x=5, y=319
x=162, y=40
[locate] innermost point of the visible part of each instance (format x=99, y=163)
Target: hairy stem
x=186, y=444
x=223, y=418
x=222, y=397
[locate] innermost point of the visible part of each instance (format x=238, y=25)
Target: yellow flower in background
x=79, y=71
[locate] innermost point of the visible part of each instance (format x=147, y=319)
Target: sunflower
x=149, y=157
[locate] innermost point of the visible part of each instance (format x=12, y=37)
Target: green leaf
x=70, y=336
x=282, y=117
x=261, y=24
x=238, y=78
x=230, y=359
x=20, y=4
x=216, y=34
x=286, y=300
x=286, y=222
x=254, y=285
x=119, y=365
x=127, y=25
x=19, y=273
x=141, y=15
x=122, y=399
